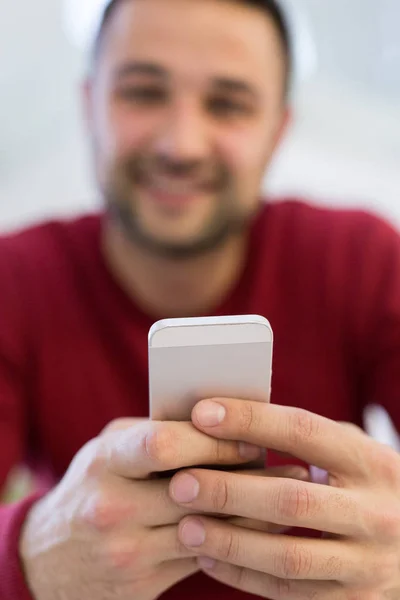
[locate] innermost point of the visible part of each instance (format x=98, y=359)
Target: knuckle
x=333, y=568
x=354, y=595
x=116, y=425
x=303, y=426
x=99, y=514
x=283, y=588
x=362, y=594
x=228, y=547
x=223, y=451
x=246, y=417
x=294, y=500
x=102, y=512
x=295, y=562
x=162, y=446
x=220, y=494
x=386, y=568
x=386, y=524
x=387, y=464
x=345, y=503
x=218, y=451
x=91, y=459
x=239, y=578
x=120, y=556
x=373, y=569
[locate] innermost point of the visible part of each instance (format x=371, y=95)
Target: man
x=186, y=104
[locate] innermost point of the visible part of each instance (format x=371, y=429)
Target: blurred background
x=344, y=147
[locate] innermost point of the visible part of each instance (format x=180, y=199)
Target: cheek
x=246, y=151
x=123, y=131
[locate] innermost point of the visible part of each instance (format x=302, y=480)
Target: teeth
x=173, y=187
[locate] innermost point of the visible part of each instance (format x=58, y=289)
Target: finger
x=320, y=476
x=164, y=545
x=289, y=471
x=311, y=438
x=121, y=424
x=351, y=426
x=161, y=509
x=267, y=586
x=147, y=503
x=282, y=556
x=151, y=504
x=293, y=472
x=169, y=574
x=176, y=512
x=142, y=550
x=131, y=504
x=150, y=447
x=258, y=525
x=279, y=500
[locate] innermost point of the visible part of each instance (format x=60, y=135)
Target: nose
x=183, y=134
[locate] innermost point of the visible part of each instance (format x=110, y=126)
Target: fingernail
x=193, y=534
x=249, y=451
x=206, y=563
x=299, y=473
x=318, y=475
x=184, y=488
x=209, y=413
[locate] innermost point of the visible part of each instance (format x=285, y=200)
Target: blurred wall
x=343, y=148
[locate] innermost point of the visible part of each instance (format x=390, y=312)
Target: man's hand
x=109, y=529
x=359, y=511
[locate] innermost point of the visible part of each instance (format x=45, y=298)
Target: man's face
x=186, y=107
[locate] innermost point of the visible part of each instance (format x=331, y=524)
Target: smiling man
x=184, y=116
x=186, y=103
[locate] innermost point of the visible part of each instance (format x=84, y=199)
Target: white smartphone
x=207, y=357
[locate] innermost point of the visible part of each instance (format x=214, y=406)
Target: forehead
x=197, y=38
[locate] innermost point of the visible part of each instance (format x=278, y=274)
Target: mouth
x=176, y=194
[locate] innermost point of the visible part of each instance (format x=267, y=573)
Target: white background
x=344, y=146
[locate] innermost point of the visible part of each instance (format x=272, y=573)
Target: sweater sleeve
x=12, y=581
x=14, y=433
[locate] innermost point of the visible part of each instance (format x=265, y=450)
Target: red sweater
x=73, y=346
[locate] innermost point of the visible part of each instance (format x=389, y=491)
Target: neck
x=168, y=288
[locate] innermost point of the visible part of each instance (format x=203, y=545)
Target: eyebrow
x=237, y=86
x=224, y=84
x=140, y=68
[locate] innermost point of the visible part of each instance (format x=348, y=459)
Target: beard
x=227, y=219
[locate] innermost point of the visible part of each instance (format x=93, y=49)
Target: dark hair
x=270, y=7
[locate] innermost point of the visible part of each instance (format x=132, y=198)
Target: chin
x=174, y=227
x=175, y=239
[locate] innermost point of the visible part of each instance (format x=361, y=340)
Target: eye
x=143, y=95
x=228, y=107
